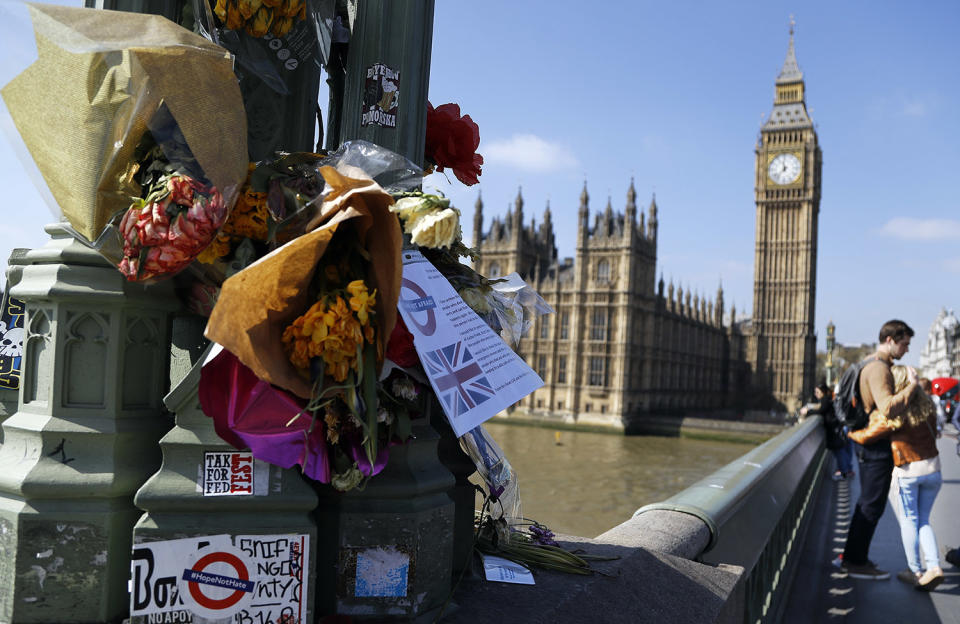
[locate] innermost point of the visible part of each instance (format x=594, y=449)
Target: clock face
x=784, y=169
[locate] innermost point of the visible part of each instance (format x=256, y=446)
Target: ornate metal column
x=387, y=551
x=388, y=75
x=84, y=437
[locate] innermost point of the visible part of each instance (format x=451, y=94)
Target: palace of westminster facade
x=620, y=345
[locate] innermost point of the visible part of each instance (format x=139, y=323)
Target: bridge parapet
x=753, y=513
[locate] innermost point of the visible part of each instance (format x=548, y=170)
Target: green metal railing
x=757, y=509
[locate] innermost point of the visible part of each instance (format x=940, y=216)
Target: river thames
x=590, y=482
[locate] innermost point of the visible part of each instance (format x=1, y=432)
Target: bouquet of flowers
x=143, y=164
x=312, y=319
x=258, y=17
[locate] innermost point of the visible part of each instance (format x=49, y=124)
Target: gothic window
x=542, y=365
x=560, y=405
x=544, y=326
x=598, y=324
x=494, y=270
x=597, y=375
x=564, y=325
x=562, y=369
x=603, y=271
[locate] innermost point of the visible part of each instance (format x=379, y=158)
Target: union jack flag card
x=474, y=373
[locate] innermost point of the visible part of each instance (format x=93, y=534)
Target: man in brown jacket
x=876, y=459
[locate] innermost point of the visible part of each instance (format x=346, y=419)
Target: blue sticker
x=382, y=572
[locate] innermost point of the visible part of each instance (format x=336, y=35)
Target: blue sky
x=671, y=94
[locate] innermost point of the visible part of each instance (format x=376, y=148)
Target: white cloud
x=915, y=108
x=908, y=228
x=528, y=152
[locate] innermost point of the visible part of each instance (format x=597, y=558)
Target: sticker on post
x=506, y=571
x=473, y=372
x=282, y=565
x=217, y=582
x=381, y=96
x=155, y=569
x=263, y=578
x=12, y=336
x=233, y=474
x=382, y=572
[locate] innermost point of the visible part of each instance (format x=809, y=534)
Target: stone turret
x=518, y=214
x=718, y=310
x=583, y=216
x=652, y=219
x=478, y=221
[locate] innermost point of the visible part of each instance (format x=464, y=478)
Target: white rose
x=435, y=230
x=407, y=206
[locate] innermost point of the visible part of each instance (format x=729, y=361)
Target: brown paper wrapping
x=256, y=305
x=84, y=104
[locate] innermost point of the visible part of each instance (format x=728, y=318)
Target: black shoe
x=953, y=557
x=866, y=570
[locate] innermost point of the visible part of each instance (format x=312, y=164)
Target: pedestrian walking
x=913, y=443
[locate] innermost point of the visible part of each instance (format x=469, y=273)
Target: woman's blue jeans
x=844, y=457
x=916, y=497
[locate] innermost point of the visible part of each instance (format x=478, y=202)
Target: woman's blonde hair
x=920, y=407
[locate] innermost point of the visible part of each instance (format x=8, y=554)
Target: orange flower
x=361, y=301
x=216, y=250
x=259, y=24
x=248, y=7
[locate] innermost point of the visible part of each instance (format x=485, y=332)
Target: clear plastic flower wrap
x=137, y=127
x=493, y=466
x=518, y=309
x=280, y=46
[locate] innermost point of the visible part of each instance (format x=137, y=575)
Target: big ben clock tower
x=782, y=343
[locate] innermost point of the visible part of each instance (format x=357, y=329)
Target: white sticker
x=217, y=581
x=249, y=577
x=155, y=571
x=382, y=572
x=282, y=562
x=233, y=474
x=506, y=571
x=474, y=373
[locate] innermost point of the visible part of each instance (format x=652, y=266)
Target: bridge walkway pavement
x=821, y=593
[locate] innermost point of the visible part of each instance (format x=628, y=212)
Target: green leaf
x=404, y=425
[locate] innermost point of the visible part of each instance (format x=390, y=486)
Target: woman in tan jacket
x=916, y=461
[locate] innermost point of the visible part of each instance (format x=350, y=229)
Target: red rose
x=400, y=346
x=163, y=236
x=452, y=141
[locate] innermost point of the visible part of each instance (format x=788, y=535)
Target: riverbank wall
x=723, y=426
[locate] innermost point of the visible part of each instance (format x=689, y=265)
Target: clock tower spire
x=782, y=343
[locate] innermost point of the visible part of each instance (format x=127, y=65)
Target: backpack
x=847, y=404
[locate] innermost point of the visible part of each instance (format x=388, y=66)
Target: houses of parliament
x=622, y=344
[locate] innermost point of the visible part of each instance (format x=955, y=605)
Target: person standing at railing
x=913, y=442
x=834, y=431
x=876, y=460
